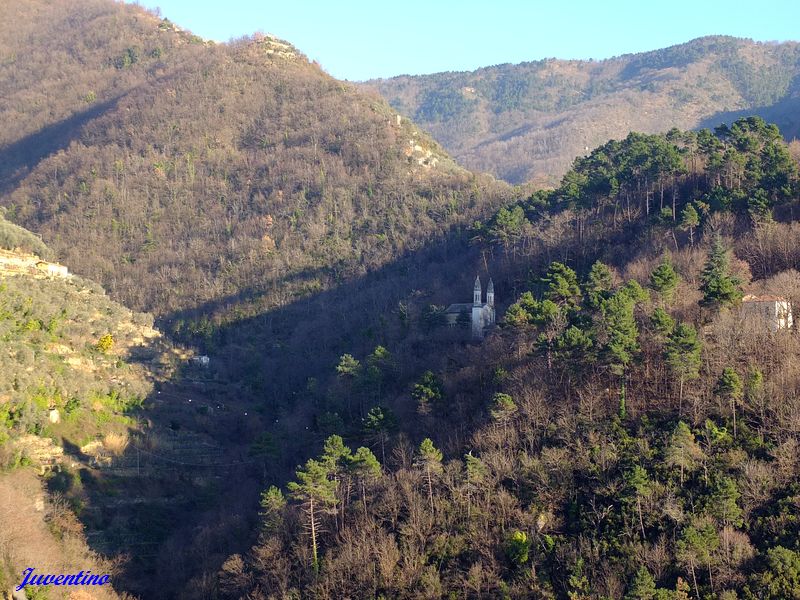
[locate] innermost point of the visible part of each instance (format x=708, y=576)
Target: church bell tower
x=476, y=292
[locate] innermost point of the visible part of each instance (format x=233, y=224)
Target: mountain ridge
x=569, y=106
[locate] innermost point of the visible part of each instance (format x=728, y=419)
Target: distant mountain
x=529, y=121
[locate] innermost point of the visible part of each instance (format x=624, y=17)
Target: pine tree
x=683, y=451
x=664, y=280
x=364, y=467
x=430, y=459
x=503, y=407
x=599, y=284
x=316, y=492
x=643, y=586
x=562, y=285
x=426, y=392
x=729, y=387
x=696, y=547
x=683, y=356
x=476, y=472
x=689, y=220
x=719, y=286
x=348, y=366
x=620, y=330
x=273, y=504
x=335, y=458
x=663, y=322
x=378, y=425
x=723, y=502
x=638, y=483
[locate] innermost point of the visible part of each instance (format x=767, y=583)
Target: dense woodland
x=624, y=432
x=528, y=121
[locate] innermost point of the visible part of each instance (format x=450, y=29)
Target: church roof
x=459, y=308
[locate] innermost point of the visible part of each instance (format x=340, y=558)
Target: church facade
x=480, y=314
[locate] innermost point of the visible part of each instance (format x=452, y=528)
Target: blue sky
x=359, y=39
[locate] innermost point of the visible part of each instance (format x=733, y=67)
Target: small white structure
x=54, y=416
x=202, y=361
x=774, y=311
x=481, y=314
x=53, y=269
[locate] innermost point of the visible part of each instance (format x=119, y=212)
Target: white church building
x=480, y=314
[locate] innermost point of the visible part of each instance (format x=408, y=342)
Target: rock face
x=42, y=452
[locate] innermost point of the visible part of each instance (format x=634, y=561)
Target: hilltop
x=527, y=122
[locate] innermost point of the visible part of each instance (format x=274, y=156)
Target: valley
x=228, y=368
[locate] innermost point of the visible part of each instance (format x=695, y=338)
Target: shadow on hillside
x=19, y=158
x=185, y=496
x=785, y=114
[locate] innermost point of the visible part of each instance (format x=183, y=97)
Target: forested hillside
x=527, y=122
x=178, y=172
x=628, y=432
x=76, y=367
x=221, y=184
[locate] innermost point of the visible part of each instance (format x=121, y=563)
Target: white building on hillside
x=775, y=311
x=480, y=314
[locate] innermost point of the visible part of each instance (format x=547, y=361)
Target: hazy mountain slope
x=529, y=121
x=218, y=168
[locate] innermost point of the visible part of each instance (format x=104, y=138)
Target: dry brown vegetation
x=527, y=122
x=42, y=532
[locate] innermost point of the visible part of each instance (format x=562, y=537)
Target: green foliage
x=682, y=353
x=719, y=287
x=13, y=236
x=348, y=366
x=664, y=279
x=364, y=464
x=105, y=343
x=689, y=217
x=429, y=455
x=313, y=483
x=664, y=324
x=273, y=505
x=578, y=583
x=621, y=330
x=127, y=59
x=379, y=419
x=780, y=579
x=599, y=284
x=642, y=587
x=562, y=285
x=427, y=391
x=683, y=452
x=443, y=105
x=722, y=502
x=506, y=226
x=503, y=407
x=729, y=384
x=476, y=470
x=518, y=548
x=697, y=544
